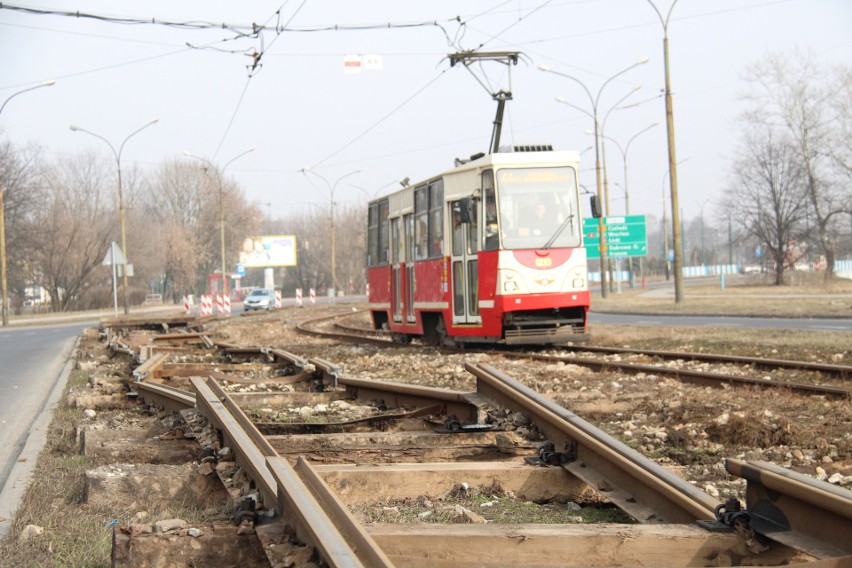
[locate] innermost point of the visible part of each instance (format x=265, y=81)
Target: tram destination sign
x=625, y=236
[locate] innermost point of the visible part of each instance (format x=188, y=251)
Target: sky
x=415, y=113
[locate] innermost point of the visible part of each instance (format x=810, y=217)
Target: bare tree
x=21, y=199
x=182, y=208
x=72, y=228
x=767, y=199
x=797, y=94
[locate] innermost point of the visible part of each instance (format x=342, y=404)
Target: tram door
x=408, y=247
x=397, y=246
x=465, y=245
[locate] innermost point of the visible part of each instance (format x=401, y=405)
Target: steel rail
x=318, y=516
x=638, y=485
x=839, y=370
x=361, y=336
x=165, y=397
x=400, y=394
x=294, y=500
x=688, y=375
x=243, y=445
x=142, y=372
x=796, y=510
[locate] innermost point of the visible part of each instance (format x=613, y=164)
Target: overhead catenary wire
x=381, y=120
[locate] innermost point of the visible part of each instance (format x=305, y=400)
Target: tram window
x=421, y=219
x=473, y=230
x=384, y=233
x=436, y=219
x=492, y=238
x=373, y=234
x=458, y=229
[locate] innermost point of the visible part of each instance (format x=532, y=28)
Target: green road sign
x=625, y=236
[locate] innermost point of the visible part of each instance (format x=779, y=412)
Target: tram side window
x=384, y=232
x=436, y=219
x=421, y=220
x=373, y=235
x=490, y=227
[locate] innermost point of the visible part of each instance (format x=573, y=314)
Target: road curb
x=25, y=462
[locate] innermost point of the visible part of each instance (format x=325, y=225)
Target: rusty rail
x=639, y=486
x=839, y=370
x=687, y=375
x=796, y=510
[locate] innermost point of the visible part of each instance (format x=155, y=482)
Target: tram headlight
x=510, y=282
x=579, y=283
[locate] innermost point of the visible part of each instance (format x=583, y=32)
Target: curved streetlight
x=624, y=151
x=210, y=166
x=676, y=232
x=331, y=188
x=121, y=214
x=4, y=301
x=594, y=100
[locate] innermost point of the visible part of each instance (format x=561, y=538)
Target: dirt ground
x=688, y=428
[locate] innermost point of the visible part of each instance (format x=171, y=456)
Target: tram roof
x=514, y=158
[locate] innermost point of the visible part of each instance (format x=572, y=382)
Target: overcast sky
x=414, y=115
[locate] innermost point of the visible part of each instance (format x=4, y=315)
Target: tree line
x=63, y=213
x=791, y=180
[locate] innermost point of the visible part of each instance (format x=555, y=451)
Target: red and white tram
x=490, y=251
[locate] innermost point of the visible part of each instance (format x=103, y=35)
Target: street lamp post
x=676, y=232
x=210, y=166
x=331, y=188
x=121, y=213
x=594, y=100
x=5, y=299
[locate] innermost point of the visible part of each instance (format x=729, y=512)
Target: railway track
x=317, y=476
x=836, y=375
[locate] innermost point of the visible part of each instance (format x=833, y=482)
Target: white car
x=259, y=299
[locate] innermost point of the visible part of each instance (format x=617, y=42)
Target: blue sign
x=241, y=269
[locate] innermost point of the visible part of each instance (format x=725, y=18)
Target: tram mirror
x=464, y=208
x=595, y=201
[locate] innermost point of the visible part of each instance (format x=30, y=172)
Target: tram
x=490, y=251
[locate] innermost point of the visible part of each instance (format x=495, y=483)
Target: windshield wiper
x=558, y=232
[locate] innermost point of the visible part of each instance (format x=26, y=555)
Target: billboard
x=273, y=250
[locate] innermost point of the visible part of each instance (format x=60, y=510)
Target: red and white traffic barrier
x=220, y=304
x=186, y=304
x=206, y=305
x=227, y=302
x=299, y=297
x=313, y=296
x=278, y=298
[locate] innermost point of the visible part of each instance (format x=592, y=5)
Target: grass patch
x=501, y=509
x=818, y=346
x=742, y=296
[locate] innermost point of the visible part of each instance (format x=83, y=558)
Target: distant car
x=154, y=299
x=752, y=269
x=259, y=299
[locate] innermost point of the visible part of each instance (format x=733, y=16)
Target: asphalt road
x=31, y=359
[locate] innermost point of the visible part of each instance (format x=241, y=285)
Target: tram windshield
x=538, y=208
